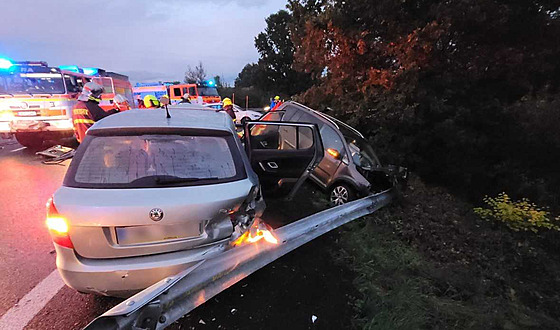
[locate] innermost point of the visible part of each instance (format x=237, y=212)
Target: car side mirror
x=334, y=153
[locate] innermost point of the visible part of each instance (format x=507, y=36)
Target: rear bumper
x=123, y=277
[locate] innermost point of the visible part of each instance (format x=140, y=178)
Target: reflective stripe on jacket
x=85, y=114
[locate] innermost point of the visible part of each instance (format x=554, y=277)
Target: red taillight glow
x=58, y=226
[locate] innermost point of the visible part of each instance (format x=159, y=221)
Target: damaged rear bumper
x=123, y=277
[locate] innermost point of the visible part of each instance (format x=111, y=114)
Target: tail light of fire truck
x=58, y=226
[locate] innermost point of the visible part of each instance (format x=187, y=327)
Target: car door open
x=283, y=154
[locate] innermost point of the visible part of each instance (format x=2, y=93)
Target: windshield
x=150, y=160
x=361, y=152
x=208, y=91
x=31, y=83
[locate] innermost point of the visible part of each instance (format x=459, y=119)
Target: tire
x=340, y=194
x=30, y=140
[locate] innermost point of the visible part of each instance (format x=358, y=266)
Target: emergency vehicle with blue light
x=36, y=100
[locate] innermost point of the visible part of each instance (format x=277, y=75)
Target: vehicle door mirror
x=334, y=153
x=283, y=154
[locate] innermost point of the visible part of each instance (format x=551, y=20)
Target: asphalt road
x=32, y=295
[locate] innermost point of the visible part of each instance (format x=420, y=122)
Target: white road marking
x=25, y=310
x=18, y=149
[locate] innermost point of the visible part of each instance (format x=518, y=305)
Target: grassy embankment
x=430, y=262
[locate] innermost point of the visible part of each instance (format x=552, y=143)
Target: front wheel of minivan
x=340, y=194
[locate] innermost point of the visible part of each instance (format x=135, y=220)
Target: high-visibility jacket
x=278, y=104
x=85, y=114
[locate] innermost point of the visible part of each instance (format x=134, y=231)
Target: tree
x=251, y=75
x=450, y=88
x=274, y=70
x=195, y=75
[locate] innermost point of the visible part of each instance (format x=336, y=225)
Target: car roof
x=156, y=118
x=331, y=120
x=189, y=106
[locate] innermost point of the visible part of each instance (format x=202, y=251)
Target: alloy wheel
x=339, y=195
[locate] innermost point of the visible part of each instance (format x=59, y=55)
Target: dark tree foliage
x=464, y=92
x=251, y=75
x=274, y=71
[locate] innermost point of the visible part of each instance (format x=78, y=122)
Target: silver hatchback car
x=146, y=196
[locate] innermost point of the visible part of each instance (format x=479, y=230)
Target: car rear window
x=156, y=161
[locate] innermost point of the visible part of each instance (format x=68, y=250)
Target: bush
x=517, y=215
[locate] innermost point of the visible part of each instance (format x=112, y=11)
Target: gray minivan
x=349, y=167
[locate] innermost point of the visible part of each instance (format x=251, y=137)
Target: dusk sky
x=149, y=40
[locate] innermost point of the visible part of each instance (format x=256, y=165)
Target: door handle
x=272, y=165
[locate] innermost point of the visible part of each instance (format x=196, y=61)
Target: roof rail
x=337, y=123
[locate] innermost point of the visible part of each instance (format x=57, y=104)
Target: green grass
x=396, y=291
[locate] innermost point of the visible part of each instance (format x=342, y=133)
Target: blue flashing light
x=91, y=71
x=72, y=68
x=5, y=63
x=211, y=83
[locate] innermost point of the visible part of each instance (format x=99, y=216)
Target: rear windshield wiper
x=174, y=179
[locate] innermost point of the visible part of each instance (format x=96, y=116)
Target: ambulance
x=36, y=100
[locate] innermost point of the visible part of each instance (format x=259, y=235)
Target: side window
x=192, y=91
x=280, y=137
x=272, y=116
x=185, y=91
x=331, y=140
x=106, y=83
x=177, y=91
x=128, y=94
x=305, y=138
x=81, y=81
x=71, y=84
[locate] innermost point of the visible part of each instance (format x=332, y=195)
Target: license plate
x=157, y=233
x=27, y=113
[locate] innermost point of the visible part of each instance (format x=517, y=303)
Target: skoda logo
x=156, y=214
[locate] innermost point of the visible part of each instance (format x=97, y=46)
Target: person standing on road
x=185, y=98
x=227, y=106
x=87, y=111
x=151, y=102
x=140, y=102
x=275, y=103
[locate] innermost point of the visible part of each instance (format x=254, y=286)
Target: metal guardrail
x=168, y=300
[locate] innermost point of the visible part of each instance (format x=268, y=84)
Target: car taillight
x=58, y=226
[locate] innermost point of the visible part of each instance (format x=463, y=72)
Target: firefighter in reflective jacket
x=87, y=111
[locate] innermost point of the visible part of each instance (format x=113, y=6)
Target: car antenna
x=167, y=112
x=165, y=101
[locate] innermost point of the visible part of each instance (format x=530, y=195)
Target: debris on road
x=58, y=154
x=313, y=318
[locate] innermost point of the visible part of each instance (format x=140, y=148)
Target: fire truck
x=203, y=93
x=36, y=100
